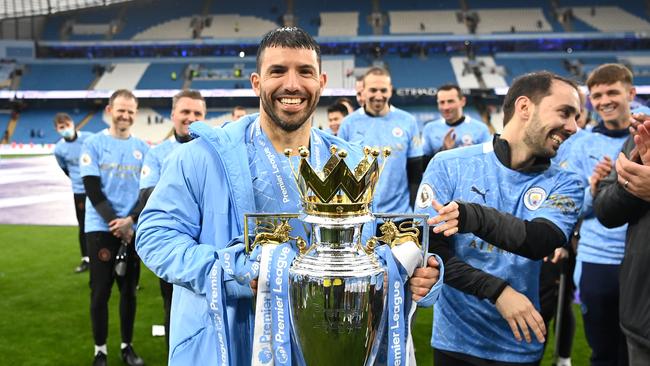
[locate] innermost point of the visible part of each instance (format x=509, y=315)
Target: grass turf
x=45, y=306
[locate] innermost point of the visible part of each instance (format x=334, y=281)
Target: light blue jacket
x=196, y=209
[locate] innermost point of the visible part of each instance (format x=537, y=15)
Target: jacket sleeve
x=533, y=239
x=170, y=225
x=462, y=276
x=613, y=205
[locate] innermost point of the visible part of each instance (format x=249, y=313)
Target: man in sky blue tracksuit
x=207, y=186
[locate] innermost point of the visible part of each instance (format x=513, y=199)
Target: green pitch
x=44, y=306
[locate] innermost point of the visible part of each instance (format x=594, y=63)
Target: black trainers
x=130, y=357
x=82, y=267
x=100, y=359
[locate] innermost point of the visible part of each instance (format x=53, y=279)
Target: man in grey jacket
x=624, y=197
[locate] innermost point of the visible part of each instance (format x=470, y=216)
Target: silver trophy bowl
x=337, y=294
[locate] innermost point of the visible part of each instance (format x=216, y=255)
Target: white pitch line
x=31, y=200
x=32, y=178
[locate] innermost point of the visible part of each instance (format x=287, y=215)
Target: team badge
x=104, y=255
x=145, y=171
x=467, y=140
x=424, y=197
x=85, y=159
x=398, y=132
x=137, y=154
x=534, y=197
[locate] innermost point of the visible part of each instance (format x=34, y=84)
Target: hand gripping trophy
x=335, y=298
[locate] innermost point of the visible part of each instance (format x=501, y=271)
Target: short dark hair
x=192, y=94
x=61, y=118
x=536, y=86
x=452, y=87
x=287, y=37
x=124, y=93
x=338, y=107
x=608, y=74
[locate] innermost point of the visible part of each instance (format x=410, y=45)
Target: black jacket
x=614, y=206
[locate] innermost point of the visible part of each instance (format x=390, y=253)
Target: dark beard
x=285, y=126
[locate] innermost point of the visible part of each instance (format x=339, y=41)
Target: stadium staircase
x=11, y=127
x=122, y=76
x=85, y=120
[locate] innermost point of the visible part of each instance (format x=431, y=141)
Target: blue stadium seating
x=637, y=8
x=415, y=72
x=4, y=122
x=57, y=77
x=307, y=13
x=96, y=122
x=158, y=76
x=519, y=66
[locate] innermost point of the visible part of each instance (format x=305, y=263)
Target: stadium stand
x=35, y=125
x=515, y=66
x=610, y=19
x=5, y=74
x=180, y=28
x=60, y=76
x=640, y=66
x=163, y=76
x=339, y=24
x=236, y=26
x=5, y=116
x=122, y=76
x=310, y=19
x=511, y=20
x=419, y=72
x=92, y=122
x=426, y=21
x=483, y=65
x=141, y=15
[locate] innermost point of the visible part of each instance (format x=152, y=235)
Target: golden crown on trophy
x=336, y=190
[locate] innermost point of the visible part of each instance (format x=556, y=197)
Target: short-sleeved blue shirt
x=67, y=156
x=153, y=162
x=469, y=132
x=117, y=162
x=462, y=322
x=398, y=130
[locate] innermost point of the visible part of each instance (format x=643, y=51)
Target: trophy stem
x=337, y=295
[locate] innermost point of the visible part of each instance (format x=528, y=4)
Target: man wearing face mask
x=188, y=106
x=67, y=152
x=110, y=166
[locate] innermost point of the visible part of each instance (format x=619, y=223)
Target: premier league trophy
x=341, y=300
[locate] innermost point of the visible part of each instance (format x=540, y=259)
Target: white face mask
x=67, y=133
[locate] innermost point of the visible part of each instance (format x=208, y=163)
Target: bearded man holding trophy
x=230, y=214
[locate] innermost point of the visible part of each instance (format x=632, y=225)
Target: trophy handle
x=406, y=232
x=269, y=232
x=394, y=235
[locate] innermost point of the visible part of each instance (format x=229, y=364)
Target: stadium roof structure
x=22, y=8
